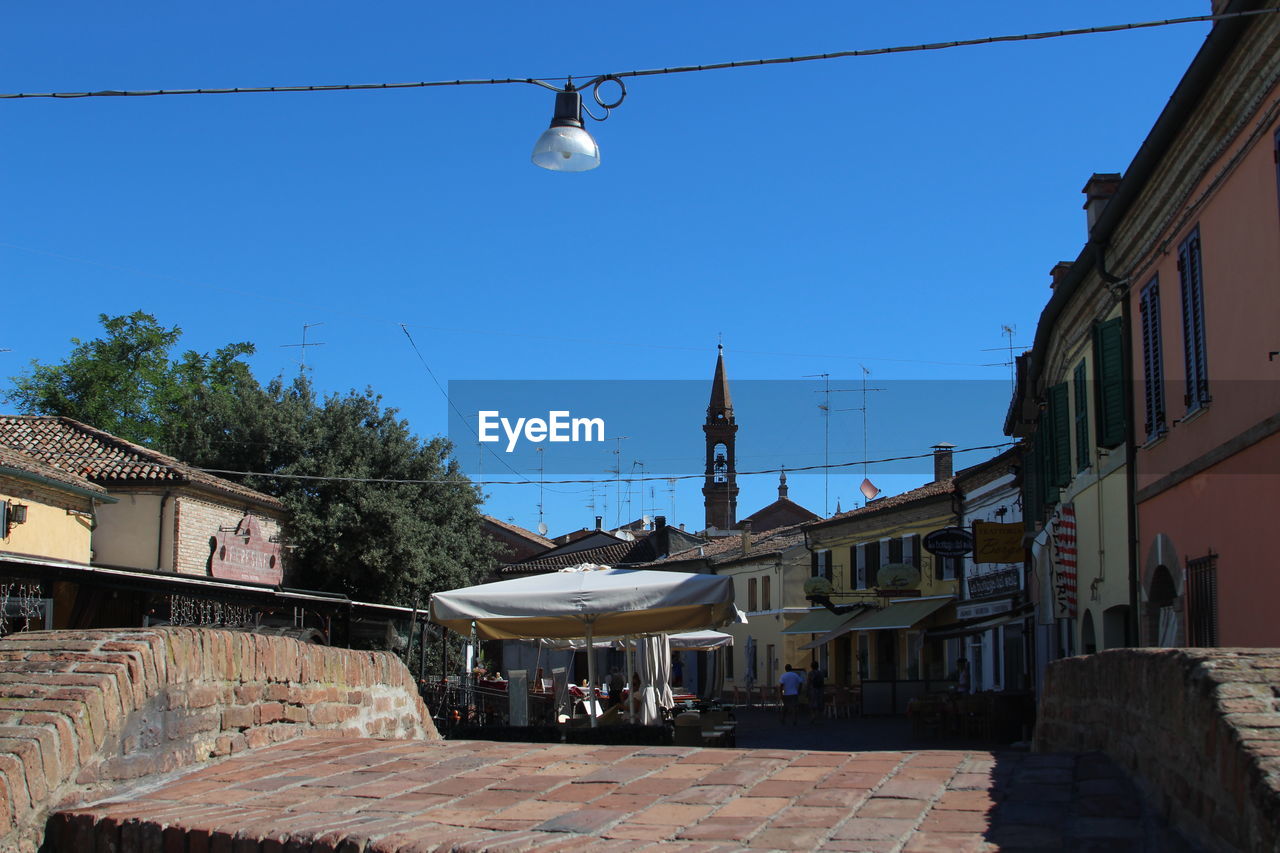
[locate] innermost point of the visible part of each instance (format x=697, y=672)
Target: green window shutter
x=1044, y=468
x=1060, y=417
x=1081, y=396
x=1109, y=379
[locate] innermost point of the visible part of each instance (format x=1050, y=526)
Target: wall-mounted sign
x=986, y=608
x=244, y=554
x=897, y=576
x=994, y=583
x=997, y=543
x=949, y=542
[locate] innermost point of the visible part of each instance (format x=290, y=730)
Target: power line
x=667, y=478
x=650, y=72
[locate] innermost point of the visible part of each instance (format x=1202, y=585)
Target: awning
x=900, y=614
x=977, y=626
x=818, y=621
x=847, y=624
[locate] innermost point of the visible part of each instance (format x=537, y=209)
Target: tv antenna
x=825, y=407
x=1008, y=331
x=302, y=347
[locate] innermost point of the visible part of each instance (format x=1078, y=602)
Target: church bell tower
x=720, y=490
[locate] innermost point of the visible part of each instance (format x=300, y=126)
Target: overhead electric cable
x=649, y=72
x=526, y=482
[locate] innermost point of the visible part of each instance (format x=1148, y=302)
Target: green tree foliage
x=374, y=541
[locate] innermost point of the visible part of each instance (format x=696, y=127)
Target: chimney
x=746, y=536
x=599, y=521
x=662, y=541
x=1058, y=273
x=1097, y=192
x=942, y=461
x=682, y=525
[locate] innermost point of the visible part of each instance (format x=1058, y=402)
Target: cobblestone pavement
x=368, y=795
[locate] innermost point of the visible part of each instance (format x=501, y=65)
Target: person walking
x=789, y=688
x=817, y=692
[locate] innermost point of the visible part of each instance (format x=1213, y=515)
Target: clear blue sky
x=890, y=211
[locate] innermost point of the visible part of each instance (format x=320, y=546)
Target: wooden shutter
x=751, y=595
x=1152, y=360
x=858, y=559
x=895, y=550
x=766, y=599
x=813, y=564
x=871, y=550
x=1109, y=380
x=1081, y=395
x=1190, y=271
x=828, y=566
x=1060, y=448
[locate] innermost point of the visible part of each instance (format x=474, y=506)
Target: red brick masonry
x=381, y=796
x=82, y=712
x=1198, y=729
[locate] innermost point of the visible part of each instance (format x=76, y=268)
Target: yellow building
x=875, y=557
x=46, y=516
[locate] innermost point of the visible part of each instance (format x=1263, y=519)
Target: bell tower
x=720, y=489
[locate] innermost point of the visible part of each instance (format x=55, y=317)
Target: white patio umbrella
x=587, y=601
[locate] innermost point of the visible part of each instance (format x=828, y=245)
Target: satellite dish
x=647, y=521
x=542, y=528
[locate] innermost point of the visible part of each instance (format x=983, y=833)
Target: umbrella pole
x=591, y=678
x=630, y=670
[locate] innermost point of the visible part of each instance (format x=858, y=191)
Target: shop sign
x=997, y=543
x=244, y=554
x=982, y=609
x=949, y=542
x=995, y=583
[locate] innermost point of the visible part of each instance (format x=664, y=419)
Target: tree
x=126, y=384
x=331, y=462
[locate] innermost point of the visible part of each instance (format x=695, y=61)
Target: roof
x=516, y=530
x=728, y=549
x=109, y=461
x=936, y=489
x=605, y=555
x=23, y=465
x=1191, y=89
x=780, y=513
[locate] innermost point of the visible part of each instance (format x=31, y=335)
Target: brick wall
x=84, y=712
x=196, y=520
x=1199, y=730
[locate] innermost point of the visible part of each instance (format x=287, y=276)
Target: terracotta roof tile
x=80, y=449
x=16, y=459
x=937, y=488
x=521, y=532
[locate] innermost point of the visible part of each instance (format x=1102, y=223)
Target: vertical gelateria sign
x=244, y=554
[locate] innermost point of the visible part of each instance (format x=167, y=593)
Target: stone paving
x=380, y=796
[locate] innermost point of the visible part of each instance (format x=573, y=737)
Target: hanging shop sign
x=997, y=543
x=949, y=542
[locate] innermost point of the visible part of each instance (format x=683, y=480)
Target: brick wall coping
x=1199, y=729
x=84, y=712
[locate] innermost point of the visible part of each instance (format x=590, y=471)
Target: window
x=1190, y=270
x=947, y=568
x=820, y=564
x=1152, y=360
x=1109, y=382
x=1081, y=394
x=766, y=602
x=895, y=550
x=858, y=559
x=751, y=595
x=1202, y=601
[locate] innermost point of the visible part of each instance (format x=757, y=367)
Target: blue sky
x=892, y=212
